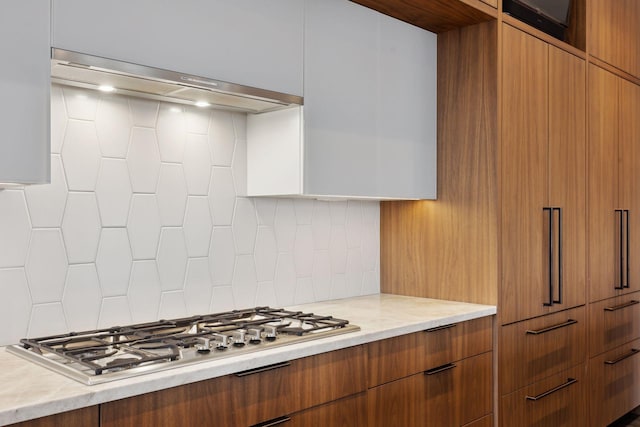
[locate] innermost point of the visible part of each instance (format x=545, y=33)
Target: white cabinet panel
x=252, y=42
x=24, y=83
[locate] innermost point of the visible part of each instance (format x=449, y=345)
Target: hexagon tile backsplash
x=142, y=221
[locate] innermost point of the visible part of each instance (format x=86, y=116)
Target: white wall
x=141, y=222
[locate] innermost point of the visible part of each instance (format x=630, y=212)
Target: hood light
x=106, y=88
x=202, y=104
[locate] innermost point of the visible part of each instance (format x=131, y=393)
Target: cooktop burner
x=103, y=355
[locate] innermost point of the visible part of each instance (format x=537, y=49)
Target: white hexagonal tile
x=221, y=299
x=197, y=227
x=354, y=274
x=172, y=259
x=82, y=297
x=81, y=103
x=321, y=275
x=144, y=291
x=16, y=309
x=46, y=202
x=171, y=129
x=303, y=251
x=370, y=213
x=172, y=195
x=113, y=191
x=304, y=291
x=197, y=120
x=114, y=261
x=222, y=255
x=266, y=295
x=240, y=125
x=47, y=319
x=221, y=138
x=285, y=279
x=266, y=254
x=15, y=228
x=245, y=226
x=143, y=160
x=266, y=210
x=197, y=286
x=370, y=283
x=114, y=312
x=172, y=305
x=321, y=224
x=222, y=196
x=338, y=248
x=81, y=155
x=354, y=223
x=144, y=112
x=285, y=225
x=338, y=212
x=144, y=226
x=113, y=124
x=46, y=265
x=339, y=286
x=58, y=118
x=304, y=211
x=81, y=227
x=370, y=249
x=239, y=167
x=197, y=164
x=244, y=284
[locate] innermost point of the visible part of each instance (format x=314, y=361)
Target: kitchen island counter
x=30, y=391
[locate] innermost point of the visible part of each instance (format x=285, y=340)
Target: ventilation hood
x=92, y=72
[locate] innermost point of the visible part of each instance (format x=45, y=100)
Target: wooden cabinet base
x=348, y=412
x=85, y=417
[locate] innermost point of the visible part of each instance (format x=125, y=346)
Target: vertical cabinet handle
x=622, y=218
x=625, y=283
x=553, y=253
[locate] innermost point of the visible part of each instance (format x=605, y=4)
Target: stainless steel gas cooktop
x=98, y=356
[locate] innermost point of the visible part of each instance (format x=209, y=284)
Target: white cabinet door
x=24, y=85
x=251, y=42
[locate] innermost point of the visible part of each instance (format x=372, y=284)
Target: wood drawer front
x=613, y=322
x=536, y=348
x=451, y=397
x=85, y=417
x=299, y=384
x=347, y=412
x=399, y=357
x=560, y=400
x=482, y=422
x=614, y=378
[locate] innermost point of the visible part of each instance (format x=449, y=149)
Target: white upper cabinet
x=24, y=84
x=251, y=42
x=368, y=126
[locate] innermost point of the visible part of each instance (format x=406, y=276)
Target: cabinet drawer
x=536, y=348
x=454, y=395
x=614, y=378
x=406, y=355
x=613, y=322
x=85, y=417
x=282, y=389
x=556, y=401
x=347, y=412
x=482, y=422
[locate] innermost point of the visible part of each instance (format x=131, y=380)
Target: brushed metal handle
x=621, y=358
x=553, y=390
x=569, y=322
x=273, y=422
x=439, y=369
x=440, y=328
x=621, y=306
x=263, y=369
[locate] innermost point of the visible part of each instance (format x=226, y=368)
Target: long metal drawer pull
x=440, y=328
x=553, y=390
x=621, y=358
x=273, y=422
x=263, y=369
x=440, y=369
x=621, y=306
x=569, y=322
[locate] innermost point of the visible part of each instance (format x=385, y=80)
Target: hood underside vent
x=92, y=72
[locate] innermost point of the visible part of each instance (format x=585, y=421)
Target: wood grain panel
x=347, y=412
x=395, y=358
x=614, y=385
x=482, y=422
x=85, y=417
x=602, y=185
x=435, y=15
x=613, y=322
x=448, y=249
x=525, y=357
x=398, y=403
x=458, y=342
x=565, y=407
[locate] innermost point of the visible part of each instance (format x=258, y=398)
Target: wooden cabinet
x=613, y=322
x=543, y=178
x=85, y=417
x=614, y=35
x=250, y=42
x=614, y=199
x=347, y=412
x=25, y=150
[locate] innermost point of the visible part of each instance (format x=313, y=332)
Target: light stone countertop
x=29, y=391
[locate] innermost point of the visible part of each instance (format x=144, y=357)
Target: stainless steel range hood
x=87, y=71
